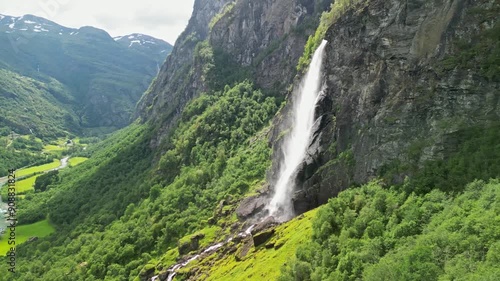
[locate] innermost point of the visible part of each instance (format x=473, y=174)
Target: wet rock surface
x=265, y=224
x=251, y=206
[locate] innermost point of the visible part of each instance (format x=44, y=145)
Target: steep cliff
x=405, y=81
x=226, y=42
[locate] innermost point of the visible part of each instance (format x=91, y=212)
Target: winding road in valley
x=3, y=180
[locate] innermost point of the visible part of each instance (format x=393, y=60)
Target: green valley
x=56, y=80
x=284, y=140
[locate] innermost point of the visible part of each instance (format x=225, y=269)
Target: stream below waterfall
x=172, y=271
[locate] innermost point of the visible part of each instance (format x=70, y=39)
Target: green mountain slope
x=104, y=78
x=372, y=233
x=32, y=106
x=158, y=204
x=406, y=128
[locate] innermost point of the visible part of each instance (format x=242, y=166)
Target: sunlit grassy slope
x=24, y=232
x=261, y=263
x=38, y=169
x=77, y=160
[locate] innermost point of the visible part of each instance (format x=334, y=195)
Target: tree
x=43, y=181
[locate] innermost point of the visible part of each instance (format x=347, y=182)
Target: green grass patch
x=24, y=232
x=169, y=258
x=25, y=185
x=51, y=147
x=77, y=160
x=262, y=263
x=38, y=169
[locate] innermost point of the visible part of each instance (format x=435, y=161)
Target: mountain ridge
x=104, y=77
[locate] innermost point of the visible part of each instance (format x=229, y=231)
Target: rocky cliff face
x=179, y=78
x=388, y=97
x=392, y=96
x=266, y=36
x=261, y=41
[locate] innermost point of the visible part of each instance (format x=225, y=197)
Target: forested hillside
x=400, y=180
x=93, y=79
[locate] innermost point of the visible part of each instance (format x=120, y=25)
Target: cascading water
x=295, y=148
x=298, y=140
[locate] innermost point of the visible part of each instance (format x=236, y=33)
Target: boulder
x=244, y=248
x=261, y=237
x=251, y=206
x=189, y=245
x=265, y=224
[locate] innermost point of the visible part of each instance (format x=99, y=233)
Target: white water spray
x=298, y=140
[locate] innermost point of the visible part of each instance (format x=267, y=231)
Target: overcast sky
x=164, y=19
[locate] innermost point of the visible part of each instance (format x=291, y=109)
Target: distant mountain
x=145, y=44
x=102, y=77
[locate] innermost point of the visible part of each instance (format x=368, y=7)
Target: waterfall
x=299, y=138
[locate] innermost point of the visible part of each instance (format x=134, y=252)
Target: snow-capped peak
x=30, y=23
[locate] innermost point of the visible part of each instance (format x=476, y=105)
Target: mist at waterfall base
x=297, y=141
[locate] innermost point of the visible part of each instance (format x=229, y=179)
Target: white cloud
x=164, y=19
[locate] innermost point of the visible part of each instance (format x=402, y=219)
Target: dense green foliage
x=147, y=190
x=371, y=233
x=116, y=214
x=21, y=152
x=10, y=159
x=31, y=106
x=472, y=153
x=44, y=181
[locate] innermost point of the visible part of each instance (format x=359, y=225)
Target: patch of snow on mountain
x=133, y=42
x=29, y=22
x=118, y=38
x=131, y=37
